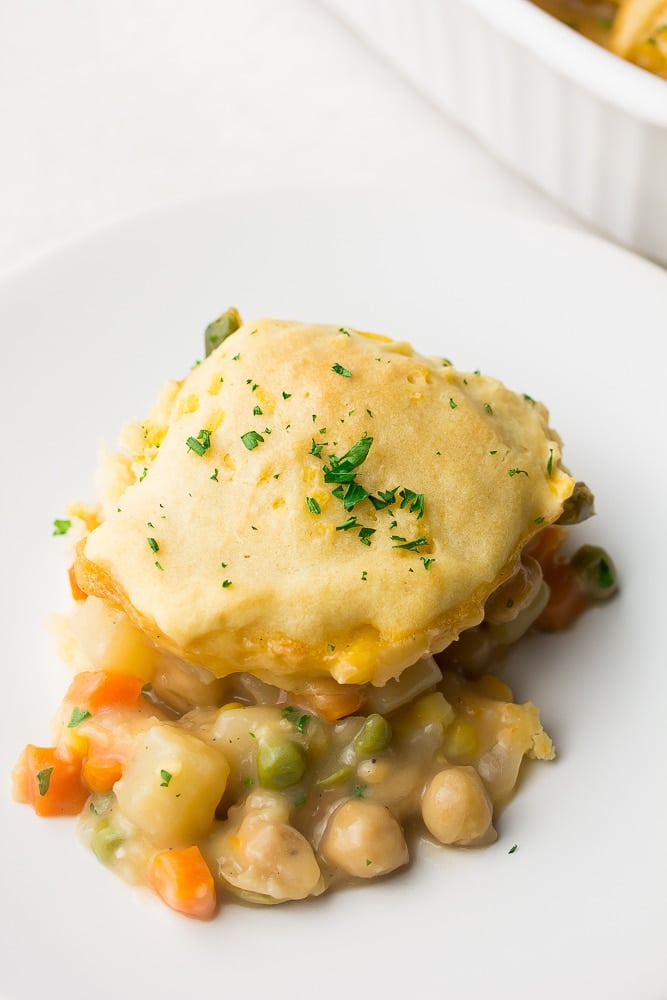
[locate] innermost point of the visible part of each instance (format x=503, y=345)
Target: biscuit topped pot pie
x=287, y=606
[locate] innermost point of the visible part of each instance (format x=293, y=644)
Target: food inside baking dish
x=636, y=30
x=287, y=608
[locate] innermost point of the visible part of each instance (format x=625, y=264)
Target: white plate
x=90, y=334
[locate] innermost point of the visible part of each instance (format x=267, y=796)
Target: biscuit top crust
x=325, y=502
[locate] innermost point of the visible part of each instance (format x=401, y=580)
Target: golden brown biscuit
x=319, y=501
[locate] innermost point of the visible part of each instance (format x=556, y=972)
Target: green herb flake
x=342, y=470
x=529, y=399
x=359, y=791
x=226, y=584
x=312, y=505
x=509, y=603
x=153, y=544
x=414, y=501
x=143, y=474
x=488, y=409
x=201, y=443
x=340, y=370
x=302, y=722
x=78, y=715
x=251, y=439
x=428, y=562
x=44, y=780
x=257, y=411
x=316, y=449
x=287, y=395
x=351, y=522
x=550, y=463
x=330, y=647
x=166, y=778
x=410, y=546
x=365, y=535
x=61, y=526
x=364, y=575
x=539, y=520
x=236, y=357
x=385, y=498
x=452, y=404
x=159, y=566
x=214, y=477
x=516, y=472
x=513, y=848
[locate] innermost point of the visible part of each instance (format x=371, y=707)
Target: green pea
x=374, y=736
x=106, y=840
x=596, y=572
x=220, y=329
x=280, y=763
x=578, y=507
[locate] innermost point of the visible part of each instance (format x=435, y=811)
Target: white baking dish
x=586, y=127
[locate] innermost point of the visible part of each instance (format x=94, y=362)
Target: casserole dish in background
x=580, y=123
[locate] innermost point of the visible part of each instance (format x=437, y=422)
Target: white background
x=111, y=109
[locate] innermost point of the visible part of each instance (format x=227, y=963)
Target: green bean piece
x=579, y=506
x=220, y=329
x=280, y=763
x=374, y=737
x=105, y=841
x=596, y=572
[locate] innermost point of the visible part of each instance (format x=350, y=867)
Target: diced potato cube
x=172, y=785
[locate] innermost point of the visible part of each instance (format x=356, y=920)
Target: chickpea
x=364, y=839
x=456, y=808
x=270, y=858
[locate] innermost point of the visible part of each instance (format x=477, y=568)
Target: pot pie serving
x=288, y=603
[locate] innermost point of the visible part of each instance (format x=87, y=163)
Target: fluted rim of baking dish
x=612, y=79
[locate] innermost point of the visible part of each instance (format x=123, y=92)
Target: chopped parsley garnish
x=512, y=848
x=359, y=791
x=158, y=565
x=428, y=562
x=44, y=780
x=201, y=443
x=364, y=575
x=340, y=370
x=312, y=505
x=77, y=716
x=166, y=778
x=287, y=395
x=143, y=474
x=452, y=404
x=354, y=494
x=365, y=535
x=517, y=472
x=251, y=439
x=226, y=584
x=539, y=520
x=61, y=526
x=214, y=477
x=342, y=470
x=414, y=544
x=153, y=544
x=415, y=501
x=316, y=449
x=550, y=463
x=385, y=498
x=351, y=522
x=488, y=408
x=257, y=411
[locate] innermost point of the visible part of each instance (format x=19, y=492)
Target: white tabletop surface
x=114, y=109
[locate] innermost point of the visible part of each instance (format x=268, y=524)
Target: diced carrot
x=566, y=601
x=328, y=699
x=101, y=774
x=97, y=689
x=184, y=882
x=53, y=781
